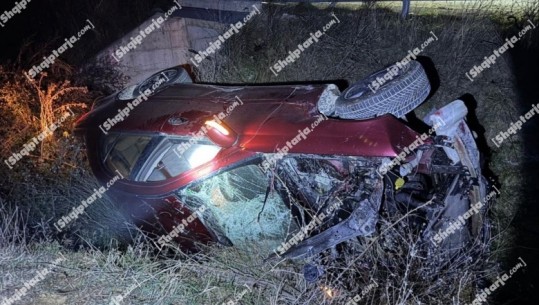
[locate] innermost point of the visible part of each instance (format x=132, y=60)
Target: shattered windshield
x=237, y=206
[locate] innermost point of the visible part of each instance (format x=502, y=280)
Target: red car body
x=268, y=117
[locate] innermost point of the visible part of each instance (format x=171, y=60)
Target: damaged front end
x=438, y=187
x=349, y=183
x=316, y=187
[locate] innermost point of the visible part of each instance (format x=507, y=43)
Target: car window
x=176, y=156
x=147, y=158
x=123, y=151
x=236, y=206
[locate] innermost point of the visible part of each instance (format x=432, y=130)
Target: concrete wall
x=169, y=45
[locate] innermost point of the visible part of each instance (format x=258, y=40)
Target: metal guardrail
x=404, y=13
x=225, y=16
x=208, y=14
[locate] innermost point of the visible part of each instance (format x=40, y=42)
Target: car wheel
x=162, y=79
x=375, y=95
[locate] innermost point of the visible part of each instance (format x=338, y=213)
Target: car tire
x=397, y=96
x=163, y=79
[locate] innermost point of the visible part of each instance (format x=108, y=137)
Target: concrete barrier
x=192, y=27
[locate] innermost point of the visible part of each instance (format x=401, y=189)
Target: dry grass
x=391, y=259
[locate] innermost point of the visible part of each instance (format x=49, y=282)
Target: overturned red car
x=293, y=169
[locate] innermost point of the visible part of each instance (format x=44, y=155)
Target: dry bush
x=47, y=184
x=32, y=106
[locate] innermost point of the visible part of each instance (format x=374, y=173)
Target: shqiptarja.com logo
x=17, y=9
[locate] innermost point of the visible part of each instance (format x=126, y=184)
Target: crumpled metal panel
x=362, y=222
